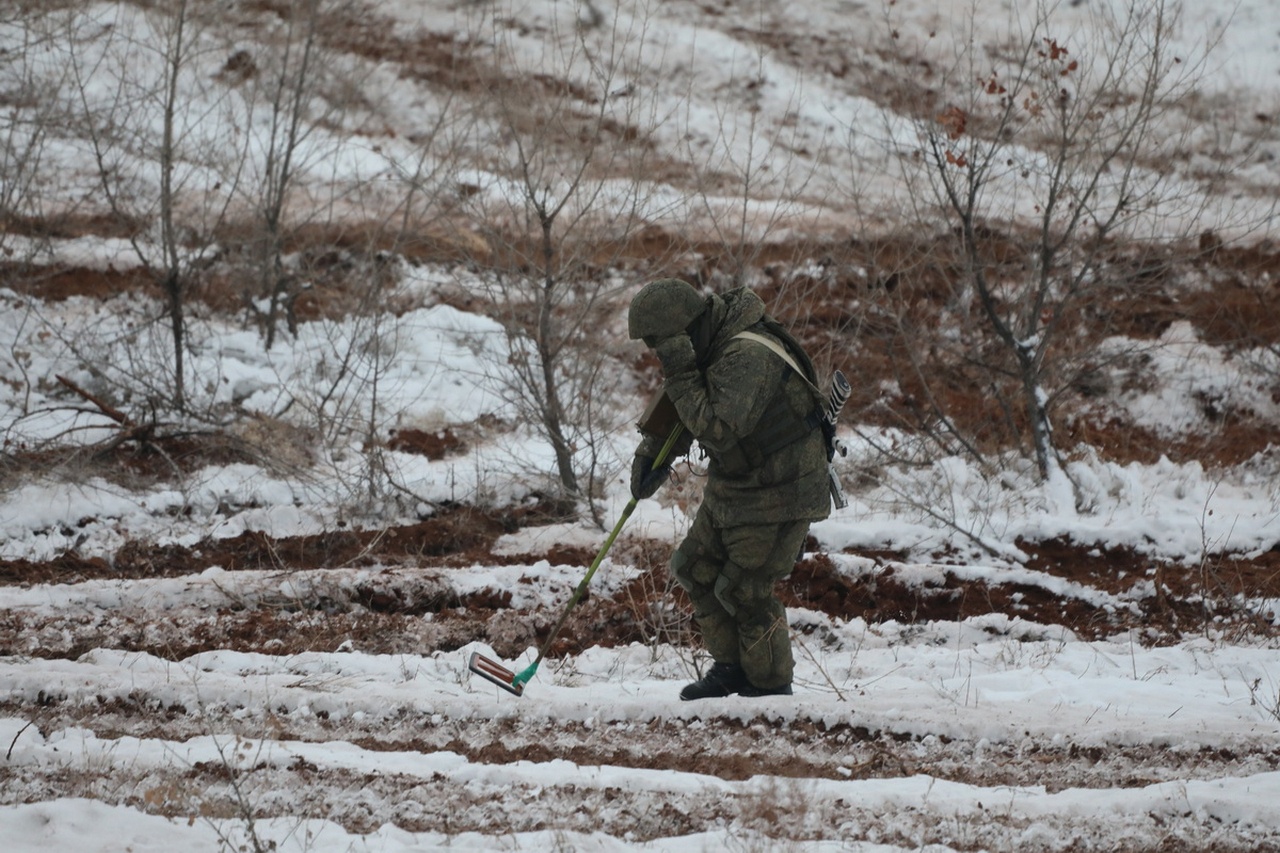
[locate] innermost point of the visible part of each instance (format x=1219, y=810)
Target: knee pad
x=693, y=569
x=739, y=587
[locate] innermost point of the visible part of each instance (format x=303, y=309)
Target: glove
x=676, y=354
x=644, y=479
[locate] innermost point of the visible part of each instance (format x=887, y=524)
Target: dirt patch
x=67, y=568
x=57, y=283
x=63, y=226
x=1242, y=310
x=1163, y=601
x=433, y=445
x=456, y=536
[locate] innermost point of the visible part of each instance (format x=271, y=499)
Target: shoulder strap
x=789, y=426
x=777, y=349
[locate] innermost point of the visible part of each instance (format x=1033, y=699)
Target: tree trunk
x=552, y=410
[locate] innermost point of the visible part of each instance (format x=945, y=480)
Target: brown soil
x=382, y=614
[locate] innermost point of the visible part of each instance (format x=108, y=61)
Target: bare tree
x=566, y=191
x=151, y=117
x=294, y=92
x=758, y=195
x=283, y=80
x=27, y=96
x=1049, y=153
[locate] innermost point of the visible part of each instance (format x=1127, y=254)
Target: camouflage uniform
x=754, y=416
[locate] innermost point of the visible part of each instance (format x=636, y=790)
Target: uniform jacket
x=736, y=404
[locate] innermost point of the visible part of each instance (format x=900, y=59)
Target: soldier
x=745, y=389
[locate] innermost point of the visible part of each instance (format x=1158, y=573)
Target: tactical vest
x=781, y=425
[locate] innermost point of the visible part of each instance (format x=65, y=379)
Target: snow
x=969, y=686
x=986, y=682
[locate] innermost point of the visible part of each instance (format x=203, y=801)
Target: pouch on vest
x=659, y=417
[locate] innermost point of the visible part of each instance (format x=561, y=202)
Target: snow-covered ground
x=989, y=733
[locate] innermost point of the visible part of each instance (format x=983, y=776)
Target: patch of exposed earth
x=404, y=603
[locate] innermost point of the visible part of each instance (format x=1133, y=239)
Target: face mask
x=699, y=331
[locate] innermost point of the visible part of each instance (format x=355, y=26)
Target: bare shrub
x=1043, y=168
x=564, y=193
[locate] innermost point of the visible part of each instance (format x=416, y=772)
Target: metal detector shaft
x=523, y=677
x=515, y=682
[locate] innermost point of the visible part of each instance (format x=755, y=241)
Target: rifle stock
x=659, y=417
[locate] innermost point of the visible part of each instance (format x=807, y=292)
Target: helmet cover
x=663, y=308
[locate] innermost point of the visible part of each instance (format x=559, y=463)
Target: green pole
x=525, y=674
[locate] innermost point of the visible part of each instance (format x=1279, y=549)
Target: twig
x=14, y=742
x=104, y=407
x=805, y=648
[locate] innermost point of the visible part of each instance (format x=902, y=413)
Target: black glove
x=644, y=479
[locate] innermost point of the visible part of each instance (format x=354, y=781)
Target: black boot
x=723, y=679
x=752, y=690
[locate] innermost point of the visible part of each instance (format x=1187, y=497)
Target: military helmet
x=663, y=308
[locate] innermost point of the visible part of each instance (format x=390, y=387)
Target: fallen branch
x=104, y=407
